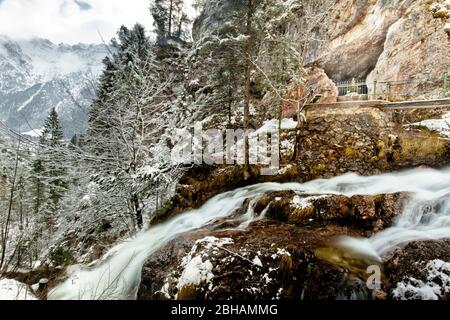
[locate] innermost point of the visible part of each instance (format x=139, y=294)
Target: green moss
x=236, y=175
x=291, y=172
x=161, y=212
x=355, y=263
x=353, y=153
x=423, y=147
x=318, y=169
x=378, y=196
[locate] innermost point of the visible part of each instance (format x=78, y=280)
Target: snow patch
x=197, y=268
x=303, y=203
x=440, y=125
x=195, y=272
x=267, y=278
x=257, y=261
x=435, y=287
x=165, y=290
x=13, y=290
x=36, y=133
x=280, y=252
x=272, y=125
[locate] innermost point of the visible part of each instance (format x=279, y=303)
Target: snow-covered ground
x=436, y=286
x=440, y=125
x=271, y=125
x=13, y=290
x=36, y=133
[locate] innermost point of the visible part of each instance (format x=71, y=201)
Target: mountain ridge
x=37, y=75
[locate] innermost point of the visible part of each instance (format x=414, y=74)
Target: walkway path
x=419, y=104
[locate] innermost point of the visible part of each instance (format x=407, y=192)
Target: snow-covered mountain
x=37, y=75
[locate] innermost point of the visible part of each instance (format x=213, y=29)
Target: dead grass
x=424, y=145
x=188, y=292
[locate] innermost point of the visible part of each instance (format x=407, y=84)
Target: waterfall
x=426, y=216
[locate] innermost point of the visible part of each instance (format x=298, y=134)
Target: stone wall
x=366, y=140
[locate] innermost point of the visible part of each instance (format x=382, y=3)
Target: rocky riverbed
x=290, y=253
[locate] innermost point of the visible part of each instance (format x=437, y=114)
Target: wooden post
x=445, y=82
x=42, y=288
x=389, y=87
x=375, y=89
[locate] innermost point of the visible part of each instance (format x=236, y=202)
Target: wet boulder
x=267, y=260
x=371, y=213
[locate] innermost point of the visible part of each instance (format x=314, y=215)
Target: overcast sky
x=71, y=21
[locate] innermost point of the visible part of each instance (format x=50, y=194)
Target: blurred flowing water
x=426, y=216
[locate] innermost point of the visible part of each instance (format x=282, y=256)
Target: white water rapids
x=426, y=216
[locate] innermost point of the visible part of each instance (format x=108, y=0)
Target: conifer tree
x=119, y=129
x=169, y=19
x=49, y=170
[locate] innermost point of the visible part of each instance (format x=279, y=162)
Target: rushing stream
x=426, y=216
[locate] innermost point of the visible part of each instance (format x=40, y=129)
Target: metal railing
x=352, y=86
x=399, y=89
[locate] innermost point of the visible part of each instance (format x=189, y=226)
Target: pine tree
x=119, y=130
x=49, y=170
x=260, y=54
x=219, y=52
x=160, y=14
x=37, y=184
x=169, y=19
x=52, y=133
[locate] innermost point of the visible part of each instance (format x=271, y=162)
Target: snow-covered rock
x=436, y=285
x=197, y=268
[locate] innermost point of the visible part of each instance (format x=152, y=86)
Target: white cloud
x=64, y=21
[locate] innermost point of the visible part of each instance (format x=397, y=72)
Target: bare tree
x=7, y=224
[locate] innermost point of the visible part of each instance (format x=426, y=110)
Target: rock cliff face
x=355, y=36
x=399, y=41
x=416, y=53
x=403, y=41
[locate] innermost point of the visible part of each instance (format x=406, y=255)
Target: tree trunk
x=247, y=76
x=296, y=154
x=138, y=211
x=170, y=18
x=230, y=98
x=180, y=25
x=8, y=217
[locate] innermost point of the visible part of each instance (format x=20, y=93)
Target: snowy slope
x=12, y=290
x=37, y=75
